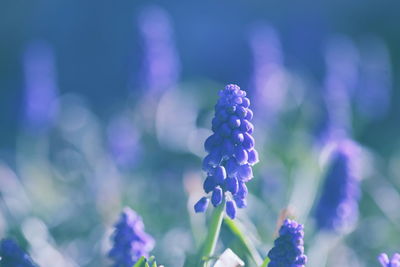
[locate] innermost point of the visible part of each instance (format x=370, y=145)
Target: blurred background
x=107, y=104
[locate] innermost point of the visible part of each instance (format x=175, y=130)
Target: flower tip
x=383, y=259
x=216, y=197
x=240, y=202
x=130, y=241
x=201, y=205
x=232, y=87
x=288, y=246
x=231, y=209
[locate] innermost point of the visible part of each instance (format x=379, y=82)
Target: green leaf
x=140, y=262
x=265, y=263
x=143, y=262
x=235, y=229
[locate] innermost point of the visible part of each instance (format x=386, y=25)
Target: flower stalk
x=212, y=235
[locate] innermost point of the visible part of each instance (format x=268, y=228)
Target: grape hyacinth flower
x=374, y=91
x=231, y=152
x=386, y=262
x=288, y=248
x=270, y=77
x=12, y=255
x=337, y=208
x=40, y=107
x=341, y=58
x=123, y=141
x=162, y=66
x=130, y=240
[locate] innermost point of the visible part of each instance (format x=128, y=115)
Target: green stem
x=213, y=234
x=265, y=263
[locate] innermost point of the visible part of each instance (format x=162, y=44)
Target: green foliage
x=246, y=243
x=265, y=263
x=143, y=262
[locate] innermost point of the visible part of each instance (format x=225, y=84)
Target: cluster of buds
x=130, y=240
x=231, y=152
x=288, y=248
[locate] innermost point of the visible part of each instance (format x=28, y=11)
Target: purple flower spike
x=288, y=248
x=337, y=209
x=130, y=240
x=12, y=255
x=231, y=152
x=41, y=90
x=123, y=141
x=374, y=90
x=269, y=74
x=341, y=57
x=386, y=262
x=162, y=65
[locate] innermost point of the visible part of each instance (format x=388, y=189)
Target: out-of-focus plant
x=12, y=255
x=229, y=162
x=288, y=249
x=41, y=89
x=130, y=241
x=75, y=167
x=385, y=261
x=337, y=208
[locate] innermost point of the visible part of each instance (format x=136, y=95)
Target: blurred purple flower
x=231, y=151
x=374, y=89
x=386, y=262
x=13, y=256
x=337, y=208
x=123, y=141
x=162, y=67
x=40, y=107
x=341, y=58
x=288, y=248
x=269, y=73
x=130, y=240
